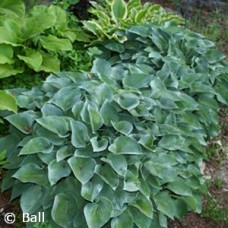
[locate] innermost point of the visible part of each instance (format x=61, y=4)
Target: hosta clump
x=35, y=40
x=110, y=18
x=120, y=145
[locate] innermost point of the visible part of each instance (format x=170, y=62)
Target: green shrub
x=119, y=145
x=111, y=18
x=39, y=40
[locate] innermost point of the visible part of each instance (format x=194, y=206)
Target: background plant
x=39, y=40
x=109, y=18
x=102, y=146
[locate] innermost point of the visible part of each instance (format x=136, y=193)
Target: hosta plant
x=119, y=146
x=110, y=18
x=34, y=40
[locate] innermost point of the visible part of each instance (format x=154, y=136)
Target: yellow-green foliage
x=34, y=39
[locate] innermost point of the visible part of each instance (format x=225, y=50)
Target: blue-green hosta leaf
x=139, y=30
x=194, y=202
x=125, y=145
x=18, y=189
x=84, y=114
x=96, y=119
x=119, y=9
x=6, y=55
x=8, y=181
x=162, y=219
x=7, y=101
x=99, y=145
x=22, y=121
x=54, y=43
x=208, y=100
x=58, y=170
x=157, y=86
x=118, y=162
x=98, y=213
x=162, y=170
x=52, y=137
x=137, y=80
x=144, y=205
x=102, y=67
x=91, y=189
x=51, y=110
x=188, y=103
x=31, y=199
x=180, y=208
x=141, y=220
x=144, y=188
x=123, y=127
x=221, y=94
x=124, y=220
x=114, y=46
x=102, y=93
x=32, y=173
x=172, y=142
x=63, y=210
x=77, y=108
x=147, y=141
x=131, y=182
x=127, y=100
x=165, y=204
x=57, y=124
x=66, y=97
x=37, y=145
x=83, y=168
x=86, y=152
x=47, y=158
x=32, y=58
x=79, y=136
x=25, y=102
x=164, y=158
x=180, y=187
x=64, y=152
x=109, y=113
x=107, y=174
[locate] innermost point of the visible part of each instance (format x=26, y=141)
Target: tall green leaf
x=15, y=7
x=7, y=101
x=54, y=43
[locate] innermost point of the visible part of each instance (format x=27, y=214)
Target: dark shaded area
x=80, y=9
